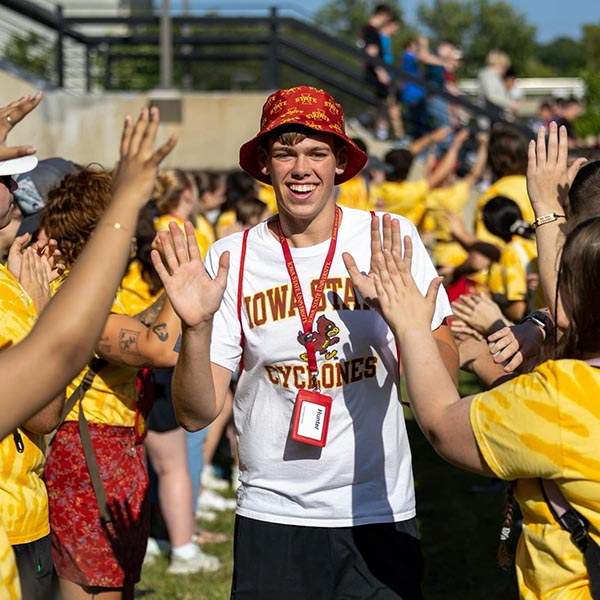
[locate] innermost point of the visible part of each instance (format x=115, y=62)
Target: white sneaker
x=194, y=564
x=210, y=480
x=209, y=500
x=152, y=551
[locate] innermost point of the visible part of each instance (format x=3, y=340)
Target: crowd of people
x=406, y=109
x=280, y=303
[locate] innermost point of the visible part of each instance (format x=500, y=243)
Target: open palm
x=194, y=295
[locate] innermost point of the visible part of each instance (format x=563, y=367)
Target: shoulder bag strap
x=86, y=440
x=570, y=520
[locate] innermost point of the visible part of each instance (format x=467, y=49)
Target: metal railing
x=279, y=46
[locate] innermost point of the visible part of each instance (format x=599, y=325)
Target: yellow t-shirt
x=445, y=251
x=134, y=293
x=354, y=193
x=546, y=425
x=204, y=226
x=406, y=198
x=266, y=193
x=162, y=224
x=225, y=223
x=10, y=587
x=23, y=497
x=513, y=187
x=112, y=397
x=508, y=277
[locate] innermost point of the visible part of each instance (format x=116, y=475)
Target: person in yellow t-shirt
x=408, y=198
x=357, y=192
x=211, y=193
x=507, y=158
x=23, y=497
x=451, y=195
x=90, y=556
x=240, y=185
x=543, y=425
x=176, y=199
x=267, y=195
x=510, y=279
x=508, y=162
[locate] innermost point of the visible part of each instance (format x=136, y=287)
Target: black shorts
x=161, y=417
x=36, y=571
x=380, y=561
x=382, y=90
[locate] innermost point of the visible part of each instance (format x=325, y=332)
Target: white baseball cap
x=16, y=166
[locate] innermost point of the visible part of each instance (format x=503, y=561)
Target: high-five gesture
x=401, y=303
x=365, y=284
x=194, y=295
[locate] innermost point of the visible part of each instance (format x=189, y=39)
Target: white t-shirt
x=363, y=475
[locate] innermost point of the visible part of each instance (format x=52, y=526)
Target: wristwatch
x=541, y=319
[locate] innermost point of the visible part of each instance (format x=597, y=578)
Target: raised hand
x=194, y=296
x=548, y=176
x=134, y=174
x=402, y=305
x=365, y=284
x=10, y=115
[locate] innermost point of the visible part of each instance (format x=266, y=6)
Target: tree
x=479, y=26
x=591, y=45
x=589, y=123
x=565, y=56
x=346, y=18
x=30, y=52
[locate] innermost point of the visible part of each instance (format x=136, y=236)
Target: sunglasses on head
x=9, y=182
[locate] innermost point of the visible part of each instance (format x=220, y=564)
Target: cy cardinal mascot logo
x=323, y=337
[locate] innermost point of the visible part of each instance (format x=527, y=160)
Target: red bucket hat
x=309, y=107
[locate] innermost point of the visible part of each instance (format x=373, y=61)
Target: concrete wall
x=87, y=128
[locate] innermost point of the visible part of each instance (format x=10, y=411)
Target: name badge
x=311, y=418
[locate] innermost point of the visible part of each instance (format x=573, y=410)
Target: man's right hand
x=194, y=296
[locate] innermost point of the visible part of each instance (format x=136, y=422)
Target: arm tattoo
x=128, y=341
x=148, y=316
x=103, y=346
x=162, y=332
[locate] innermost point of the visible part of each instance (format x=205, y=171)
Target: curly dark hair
x=74, y=208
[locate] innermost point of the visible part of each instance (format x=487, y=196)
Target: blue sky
x=552, y=18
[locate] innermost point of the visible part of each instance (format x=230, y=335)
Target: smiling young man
x=326, y=508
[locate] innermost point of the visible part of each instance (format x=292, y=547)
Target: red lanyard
x=308, y=319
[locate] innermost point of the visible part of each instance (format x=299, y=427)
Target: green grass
x=459, y=534
x=157, y=583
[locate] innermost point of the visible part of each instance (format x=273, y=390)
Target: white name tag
x=311, y=418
